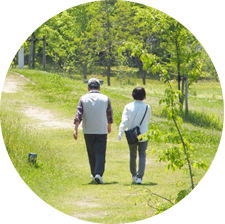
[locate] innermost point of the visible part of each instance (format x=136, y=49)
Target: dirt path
x=10, y=85
x=15, y=82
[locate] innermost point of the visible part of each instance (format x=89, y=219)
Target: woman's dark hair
x=139, y=93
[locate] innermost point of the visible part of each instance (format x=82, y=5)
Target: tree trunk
x=178, y=71
x=85, y=71
x=142, y=72
x=186, y=95
x=44, y=52
x=108, y=72
x=33, y=33
x=143, y=76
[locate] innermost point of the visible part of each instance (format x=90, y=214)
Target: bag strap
x=144, y=115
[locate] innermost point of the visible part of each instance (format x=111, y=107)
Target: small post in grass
x=32, y=157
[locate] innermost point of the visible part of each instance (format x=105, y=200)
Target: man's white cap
x=93, y=83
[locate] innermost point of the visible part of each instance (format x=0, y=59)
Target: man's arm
x=109, y=114
x=75, y=133
x=109, y=128
x=78, y=119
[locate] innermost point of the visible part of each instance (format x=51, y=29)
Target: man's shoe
x=139, y=181
x=134, y=179
x=98, y=179
x=93, y=179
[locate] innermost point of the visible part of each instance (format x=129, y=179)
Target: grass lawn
x=61, y=176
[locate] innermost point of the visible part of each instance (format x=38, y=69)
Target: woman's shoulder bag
x=133, y=133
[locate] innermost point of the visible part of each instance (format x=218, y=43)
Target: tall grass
x=20, y=140
x=203, y=120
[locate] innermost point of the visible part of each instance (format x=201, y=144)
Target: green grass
x=61, y=176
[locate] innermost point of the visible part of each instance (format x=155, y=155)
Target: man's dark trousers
x=96, y=149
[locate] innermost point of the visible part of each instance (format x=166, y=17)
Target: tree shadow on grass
x=200, y=119
x=15, y=204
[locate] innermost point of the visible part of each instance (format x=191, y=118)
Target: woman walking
x=131, y=117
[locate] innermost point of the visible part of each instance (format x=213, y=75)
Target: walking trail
x=45, y=117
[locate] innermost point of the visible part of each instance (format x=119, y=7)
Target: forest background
x=125, y=41
x=118, y=38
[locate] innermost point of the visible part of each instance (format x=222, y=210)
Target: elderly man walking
x=95, y=111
